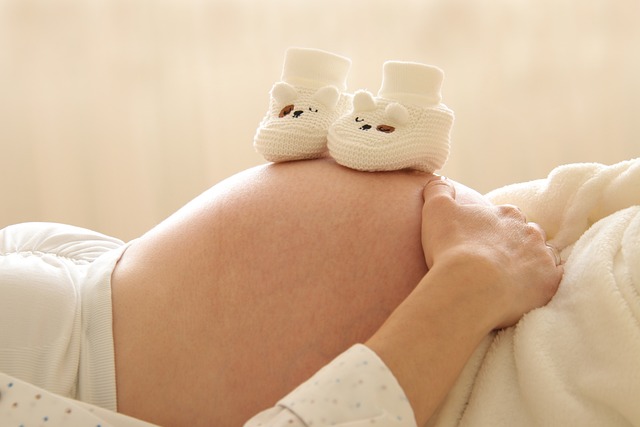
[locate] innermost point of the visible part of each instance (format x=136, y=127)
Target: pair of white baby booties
x=404, y=127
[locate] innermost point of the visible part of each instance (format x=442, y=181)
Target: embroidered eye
x=313, y=110
x=358, y=120
x=385, y=128
x=286, y=110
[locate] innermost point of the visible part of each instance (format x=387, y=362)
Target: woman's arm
x=488, y=267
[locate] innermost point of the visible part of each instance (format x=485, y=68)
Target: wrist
x=471, y=282
x=429, y=338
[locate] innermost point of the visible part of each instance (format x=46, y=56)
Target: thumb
x=439, y=198
x=438, y=186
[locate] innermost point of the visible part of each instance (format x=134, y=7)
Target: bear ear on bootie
x=283, y=93
x=327, y=96
x=397, y=113
x=363, y=101
x=404, y=127
x=303, y=104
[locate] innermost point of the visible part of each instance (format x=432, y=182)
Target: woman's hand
x=493, y=250
x=487, y=268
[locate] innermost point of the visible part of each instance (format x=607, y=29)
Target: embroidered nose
x=286, y=111
x=385, y=128
x=365, y=127
x=297, y=113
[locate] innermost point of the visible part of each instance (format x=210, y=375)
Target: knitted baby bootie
x=405, y=126
x=309, y=97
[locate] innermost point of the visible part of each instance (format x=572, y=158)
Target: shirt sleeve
x=355, y=389
x=23, y=404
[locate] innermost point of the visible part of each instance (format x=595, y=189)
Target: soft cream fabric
x=55, y=310
x=573, y=362
x=113, y=113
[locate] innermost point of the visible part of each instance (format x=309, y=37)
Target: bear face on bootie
x=297, y=121
x=383, y=135
x=303, y=104
x=404, y=127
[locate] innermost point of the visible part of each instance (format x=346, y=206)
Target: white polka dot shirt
x=355, y=389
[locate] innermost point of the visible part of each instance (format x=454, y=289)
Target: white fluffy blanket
x=576, y=361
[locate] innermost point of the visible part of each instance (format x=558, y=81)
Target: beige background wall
x=113, y=113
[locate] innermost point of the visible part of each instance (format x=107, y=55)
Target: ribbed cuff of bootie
x=405, y=126
x=303, y=104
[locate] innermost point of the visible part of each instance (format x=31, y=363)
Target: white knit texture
x=354, y=140
x=404, y=127
x=300, y=134
x=411, y=83
x=314, y=68
x=303, y=105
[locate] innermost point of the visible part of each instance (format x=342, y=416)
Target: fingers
x=555, y=253
x=440, y=206
x=512, y=211
x=439, y=202
x=517, y=214
x=439, y=186
x=500, y=240
x=539, y=229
